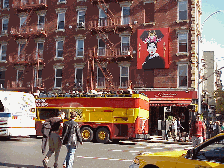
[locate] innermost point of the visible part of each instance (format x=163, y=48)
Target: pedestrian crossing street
x=139, y=147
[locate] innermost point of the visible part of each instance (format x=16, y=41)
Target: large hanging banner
x=153, y=48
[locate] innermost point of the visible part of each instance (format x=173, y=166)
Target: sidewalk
x=158, y=139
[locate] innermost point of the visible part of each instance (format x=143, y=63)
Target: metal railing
x=28, y=30
x=105, y=22
x=26, y=3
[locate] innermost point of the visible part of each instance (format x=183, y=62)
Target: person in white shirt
x=174, y=129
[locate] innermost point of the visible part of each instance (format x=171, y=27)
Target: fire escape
x=111, y=52
x=29, y=60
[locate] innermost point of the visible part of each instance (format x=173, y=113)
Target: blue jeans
x=69, y=159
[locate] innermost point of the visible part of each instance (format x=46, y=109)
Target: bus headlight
x=32, y=110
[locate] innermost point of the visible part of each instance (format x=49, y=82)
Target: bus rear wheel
x=87, y=134
x=102, y=135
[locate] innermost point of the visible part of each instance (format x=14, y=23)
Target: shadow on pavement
x=9, y=139
x=17, y=165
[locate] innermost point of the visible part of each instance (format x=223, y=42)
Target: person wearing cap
x=70, y=137
x=54, y=138
x=198, y=131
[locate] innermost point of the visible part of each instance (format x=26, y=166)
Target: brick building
x=61, y=46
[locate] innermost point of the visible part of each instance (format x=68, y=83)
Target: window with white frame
x=79, y=47
x=101, y=47
x=182, y=42
x=125, y=15
x=38, y=78
x=23, y=21
x=21, y=51
x=125, y=44
x=102, y=17
x=182, y=75
x=19, y=76
x=41, y=21
x=81, y=19
x=61, y=21
x=100, y=78
x=182, y=7
x=61, y=0
x=78, y=77
x=124, y=76
x=40, y=50
x=59, y=49
x=5, y=4
x=2, y=79
x=3, y=52
x=5, y=23
x=58, y=78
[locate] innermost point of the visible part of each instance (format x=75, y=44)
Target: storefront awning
x=170, y=102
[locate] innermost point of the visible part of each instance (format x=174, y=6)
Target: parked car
x=207, y=155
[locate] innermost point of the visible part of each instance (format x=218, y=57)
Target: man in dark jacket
x=70, y=137
x=54, y=138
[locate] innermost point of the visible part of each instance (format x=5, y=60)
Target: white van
x=17, y=114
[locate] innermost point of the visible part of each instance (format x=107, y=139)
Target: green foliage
x=170, y=118
x=219, y=95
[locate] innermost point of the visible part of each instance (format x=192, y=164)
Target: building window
x=182, y=6
x=19, y=76
x=2, y=79
x=23, y=21
x=182, y=75
x=5, y=23
x=40, y=50
x=125, y=44
x=5, y=4
x=78, y=77
x=149, y=12
x=41, y=21
x=102, y=17
x=21, y=52
x=124, y=76
x=58, y=78
x=80, y=48
x=3, y=52
x=100, y=78
x=125, y=15
x=182, y=40
x=81, y=19
x=101, y=47
x=61, y=1
x=38, y=78
x=59, y=49
x=61, y=21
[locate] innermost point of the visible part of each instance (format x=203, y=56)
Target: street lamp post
x=200, y=40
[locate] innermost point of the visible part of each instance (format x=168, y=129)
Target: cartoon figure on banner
x=153, y=60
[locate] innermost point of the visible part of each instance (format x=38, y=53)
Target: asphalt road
x=26, y=152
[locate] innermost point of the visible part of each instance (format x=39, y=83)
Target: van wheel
x=102, y=135
x=87, y=134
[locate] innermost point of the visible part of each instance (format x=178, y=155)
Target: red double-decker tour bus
x=101, y=118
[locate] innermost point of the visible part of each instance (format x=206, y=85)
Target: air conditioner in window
x=81, y=25
x=4, y=31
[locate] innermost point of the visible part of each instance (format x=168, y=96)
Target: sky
x=213, y=31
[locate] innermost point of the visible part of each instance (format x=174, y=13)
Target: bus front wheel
x=102, y=135
x=87, y=134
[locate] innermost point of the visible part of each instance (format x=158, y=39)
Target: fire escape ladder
x=103, y=8
x=108, y=78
